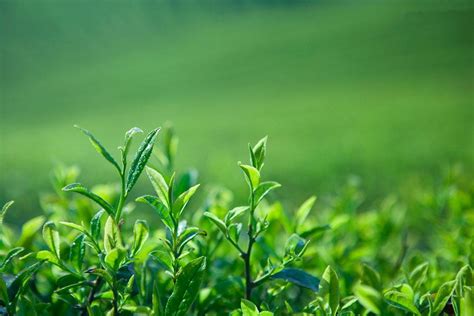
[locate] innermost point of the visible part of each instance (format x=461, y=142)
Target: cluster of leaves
x=89, y=254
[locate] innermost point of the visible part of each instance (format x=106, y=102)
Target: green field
x=383, y=90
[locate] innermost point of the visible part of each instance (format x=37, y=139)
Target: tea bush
x=85, y=256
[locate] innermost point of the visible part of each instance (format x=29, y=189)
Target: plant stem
x=247, y=255
x=123, y=196
x=91, y=297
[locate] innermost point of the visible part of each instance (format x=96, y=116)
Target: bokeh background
x=379, y=89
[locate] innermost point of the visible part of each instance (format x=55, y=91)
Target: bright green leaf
x=51, y=237
x=182, y=200
x=100, y=149
x=79, y=188
x=161, y=209
x=263, y=189
x=141, y=158
x=140, y=235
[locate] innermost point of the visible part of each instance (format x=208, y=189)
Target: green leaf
x=402, y=301
x=20, y=282
x=418, y=276
x=234, y=231
x=140, y=235
x=258, y=153
x=315, y=230
x=182, y=200
x=112, y=237
x=463, y=278
x=263, y=189
x=187, y=285
x=3, y=292
x=114, y=258
x=187, y=235
x=157, y=307
x=298, y=277
x=100, y=149
x=217, y=221
x=369, y=297
x=95, y=224
x=442, y=297
x=48, y=256
x=4, y=210
x=234, y=213
x=141, y=158
x=371, y=277
x=248, y=308
x=160, y=185
x=74, y=226
x=161, y=209
x=51, y=237
x=295, y=246
x=303, y=211
x=329, y=286
x=10, y=255
x=79, y=188
x=29, y=231
x=128, y=139
x=77, y=251
x=252, y=175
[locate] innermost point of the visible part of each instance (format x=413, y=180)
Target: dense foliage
x=85, y=256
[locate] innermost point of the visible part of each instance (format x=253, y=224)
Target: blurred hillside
x=383, y=90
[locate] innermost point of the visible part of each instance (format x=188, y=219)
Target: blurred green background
x=379, y=89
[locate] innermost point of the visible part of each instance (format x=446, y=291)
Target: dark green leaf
x=187, y=285
x=315, y=230
x=95, y=224
x=77, y=251
x=141, y=158
x=10, y=255
x=79, y=188
x=298, y=277
x=19, y=283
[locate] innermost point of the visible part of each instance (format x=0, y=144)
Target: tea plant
x=91, y=253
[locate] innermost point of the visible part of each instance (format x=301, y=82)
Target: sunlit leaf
x=141, y=158
x=100, y=149
x=79, y=188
